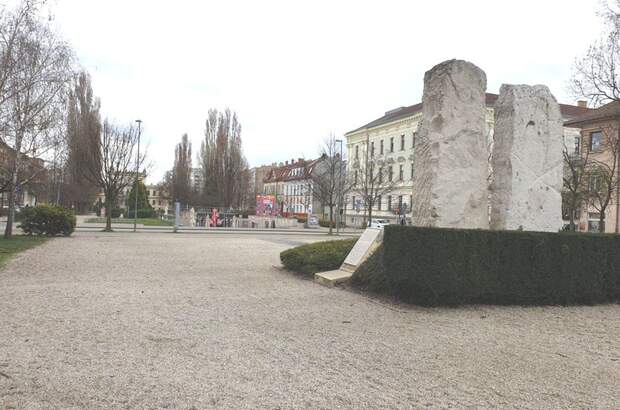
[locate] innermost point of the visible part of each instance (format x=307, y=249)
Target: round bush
x=47, y=220
x=317, y=257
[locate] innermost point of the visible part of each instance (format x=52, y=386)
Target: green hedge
x=47, y=220
x=430, y=266
x=370, y=275
x=317, y=257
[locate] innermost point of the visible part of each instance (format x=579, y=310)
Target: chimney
x=292, y=161
x=582, y=104
x=285, y=162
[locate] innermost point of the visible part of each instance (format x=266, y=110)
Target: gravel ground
x=199, y=321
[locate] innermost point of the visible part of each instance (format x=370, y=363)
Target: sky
x=297, y=71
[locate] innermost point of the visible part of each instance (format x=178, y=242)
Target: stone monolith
x=527, y=161
x=450, y=187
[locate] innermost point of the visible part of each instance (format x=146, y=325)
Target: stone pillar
x=450, y=187
x=527, y=161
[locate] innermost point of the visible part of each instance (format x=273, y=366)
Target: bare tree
x=575, y=181
x=330, y=181
x=224, y=167
x=83, y=125
x=36, y=68
x=180, y=187
x=372, y=178
x=595, y=75
x=112, y=165
x=603, y=172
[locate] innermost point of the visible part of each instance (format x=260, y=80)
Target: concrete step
x=333, y=277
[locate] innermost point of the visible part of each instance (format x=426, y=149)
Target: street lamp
x=135, y=192
x=338, y=217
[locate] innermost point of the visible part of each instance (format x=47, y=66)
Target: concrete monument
x=451, y=159
x=525, y=190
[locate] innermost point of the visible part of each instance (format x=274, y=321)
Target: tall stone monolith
x=527, y=161
x=450, y=187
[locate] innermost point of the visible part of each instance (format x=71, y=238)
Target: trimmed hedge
x=47, y=220
x=431, y=266
x=317, y=257
x=370, y=275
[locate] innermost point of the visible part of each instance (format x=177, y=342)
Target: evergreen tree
x=144, y=208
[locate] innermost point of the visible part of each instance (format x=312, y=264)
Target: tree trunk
x=108, y=214
x=331, y=219
x=601, y=222
x=8, y=231
x=369, y=216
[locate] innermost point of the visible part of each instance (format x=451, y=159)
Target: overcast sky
x=296, y=71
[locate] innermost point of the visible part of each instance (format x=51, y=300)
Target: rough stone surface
x=451, y=158
x=527, y=160
x=153, y=321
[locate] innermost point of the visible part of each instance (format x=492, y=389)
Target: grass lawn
x=143, y=221
x=17, y=244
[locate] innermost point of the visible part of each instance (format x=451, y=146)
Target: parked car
x=378, y=223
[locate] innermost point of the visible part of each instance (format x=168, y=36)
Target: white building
x=390, y=140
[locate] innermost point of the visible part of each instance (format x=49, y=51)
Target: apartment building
x=291, y=184
x=390, y=141
x=597, y=131
x=158, y=199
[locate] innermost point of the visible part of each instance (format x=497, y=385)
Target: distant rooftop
x=568, y=112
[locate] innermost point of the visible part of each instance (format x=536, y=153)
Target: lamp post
x=338, y=217
x=135, y=209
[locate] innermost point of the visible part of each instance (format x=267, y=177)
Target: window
x=391, y=144
x=411, y=171
x=353, y=204
x=410, y=202
x=355, y=178
x=595, y=183
x=401, y=172
x=596, y=141
x=379, y=203
x=400, y=204
x=402, y=142
x=415, y=135
x=390, y=174
x=389, y=202
x=577, y=145
x=594, y=222
x=381, y=147
x=380, y=175
x=357, y=152
x=372, y=149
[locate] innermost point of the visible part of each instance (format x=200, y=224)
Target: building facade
x=597, y=139
x=291, y=184
x=158, y=199
x=390, y=141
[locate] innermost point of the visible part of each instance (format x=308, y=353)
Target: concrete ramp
x=364, y=247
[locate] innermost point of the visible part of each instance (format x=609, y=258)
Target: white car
x=378, y=223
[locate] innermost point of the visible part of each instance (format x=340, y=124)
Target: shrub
x=117, y=212
x=317, y=257
x=47, y=220
x=370, y=275
x=325, y=223
x=142, y=213
x=430, y=266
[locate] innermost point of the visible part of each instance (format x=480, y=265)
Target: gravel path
x=200, y=321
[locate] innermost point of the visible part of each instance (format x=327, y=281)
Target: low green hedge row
x=430, y=266
x=47, y=220
x=317, y=257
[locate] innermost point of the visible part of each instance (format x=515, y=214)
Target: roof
x=568, y=111
x=606, y=112
x=284, y=173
